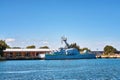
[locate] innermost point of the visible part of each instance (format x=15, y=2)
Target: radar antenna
x=65, y=41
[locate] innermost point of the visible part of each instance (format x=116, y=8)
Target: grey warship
x=69, y=53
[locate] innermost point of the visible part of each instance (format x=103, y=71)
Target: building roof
x=22, y=50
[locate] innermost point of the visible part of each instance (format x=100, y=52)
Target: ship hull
x=62, y=57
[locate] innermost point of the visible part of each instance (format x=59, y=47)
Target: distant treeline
x=108, y=49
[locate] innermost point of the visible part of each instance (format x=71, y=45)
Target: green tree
x=16, y=47
x=30, y=47
x=3, y=46
x=44, y=47
x=74, y=45
x=108, y=50
x=85, y=49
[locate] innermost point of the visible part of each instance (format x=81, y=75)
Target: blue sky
x=89, y=23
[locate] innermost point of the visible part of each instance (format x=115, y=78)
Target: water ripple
x=93, y=69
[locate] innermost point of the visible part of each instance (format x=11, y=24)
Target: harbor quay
x=33, y=54
x=100, y=54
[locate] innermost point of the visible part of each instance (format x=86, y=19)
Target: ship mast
x=65, y=41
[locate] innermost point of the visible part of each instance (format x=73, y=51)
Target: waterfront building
x=98, y=53
x=101, y=52
x=25, y=53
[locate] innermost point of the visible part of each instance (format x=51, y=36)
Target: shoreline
x=109, y=56
x=117, y=56
x=3, y=59
x=97, y=57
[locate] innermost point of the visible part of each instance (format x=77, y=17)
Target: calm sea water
x=84, y=69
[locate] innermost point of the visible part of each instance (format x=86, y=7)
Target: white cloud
x=9, y=40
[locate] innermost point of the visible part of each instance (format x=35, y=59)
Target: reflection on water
x=84, y=69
